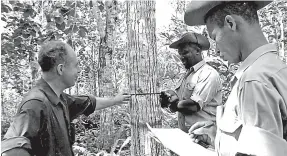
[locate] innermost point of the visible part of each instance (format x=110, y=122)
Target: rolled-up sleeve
x=80, y=105
x=260, y=106
x=267, y=144
x=206, y=88
x=25, y=126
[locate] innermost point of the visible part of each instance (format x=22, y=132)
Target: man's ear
x=60, y=68
x=229, y=22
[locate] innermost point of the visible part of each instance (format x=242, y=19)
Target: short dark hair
x=246, y=9
x=51, y=54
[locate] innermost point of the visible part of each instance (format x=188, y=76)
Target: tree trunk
x=2, y=101
x=105, y=70
x=142, y=73
x=282, y=40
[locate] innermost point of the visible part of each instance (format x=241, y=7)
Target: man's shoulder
x=33, y=100
x=264, y=68
x=209, y=71
x=34, y=94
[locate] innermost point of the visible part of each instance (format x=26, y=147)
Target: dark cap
x=196, y=10
x=195, y=38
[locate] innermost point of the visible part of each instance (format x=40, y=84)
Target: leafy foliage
x=97, y=30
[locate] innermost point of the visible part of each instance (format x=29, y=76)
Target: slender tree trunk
x=95, y=80
x=142, y=61
x=2, y=102
x=282, y=46
x=105, y=72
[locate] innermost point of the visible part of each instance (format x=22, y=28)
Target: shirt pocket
x=178, y=84
x=229, y=122
x=228, y=133
x=188, y=90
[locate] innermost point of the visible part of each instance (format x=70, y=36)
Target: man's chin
x=71, y=84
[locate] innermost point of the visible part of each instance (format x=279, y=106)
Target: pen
x=200, y=142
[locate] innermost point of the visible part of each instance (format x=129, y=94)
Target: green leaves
x=61, y=26
x=59, y=20
x=6, y=8
x=3, y=18
x=64, y=10
x=91, y=4
x=48, y=17
x=7, y=60
x=25, y=35
x=29, y=12
x=82, y=31
x=74, y=28
x=70, y=42
x=67, y=31
x=101, y=7
x=17, y=41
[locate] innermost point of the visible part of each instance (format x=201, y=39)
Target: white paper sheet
x=179, y=142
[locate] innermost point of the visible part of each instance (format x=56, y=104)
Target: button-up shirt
x=203, y=85
x=258, y=103
x=42, y=123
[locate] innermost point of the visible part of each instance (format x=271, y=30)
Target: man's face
x=226, y=42
x=71, y=68
x=187, y=55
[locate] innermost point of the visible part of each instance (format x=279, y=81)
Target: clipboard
x=179, y=142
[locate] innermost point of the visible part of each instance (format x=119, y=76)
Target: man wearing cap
x=254, y=119
x=199, y=90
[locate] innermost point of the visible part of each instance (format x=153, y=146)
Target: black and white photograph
x=143, y=78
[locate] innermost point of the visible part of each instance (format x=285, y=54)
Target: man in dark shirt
x=42, y=125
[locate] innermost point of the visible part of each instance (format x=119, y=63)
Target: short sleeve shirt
x=42, y=123
x=203, y=85
x=258, y=99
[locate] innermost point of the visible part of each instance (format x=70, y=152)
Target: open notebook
x=179, y=142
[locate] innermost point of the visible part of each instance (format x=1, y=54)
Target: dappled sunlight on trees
x=118, y=52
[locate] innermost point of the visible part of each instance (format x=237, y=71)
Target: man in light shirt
x=253, y=120
x=198, y=92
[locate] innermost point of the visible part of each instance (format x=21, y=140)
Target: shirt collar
x=198, y=65
x=51, y=95
x=257, y=53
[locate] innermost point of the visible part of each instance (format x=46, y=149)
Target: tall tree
x=105, y=66
x=142, y=70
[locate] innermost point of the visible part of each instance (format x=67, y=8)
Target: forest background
x=122, y=47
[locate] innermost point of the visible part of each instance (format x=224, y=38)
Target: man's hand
x=103, y=102
x=163, y=99
x=173, y=98
x=122, y=98
x=169, y=99
x=203, y=131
